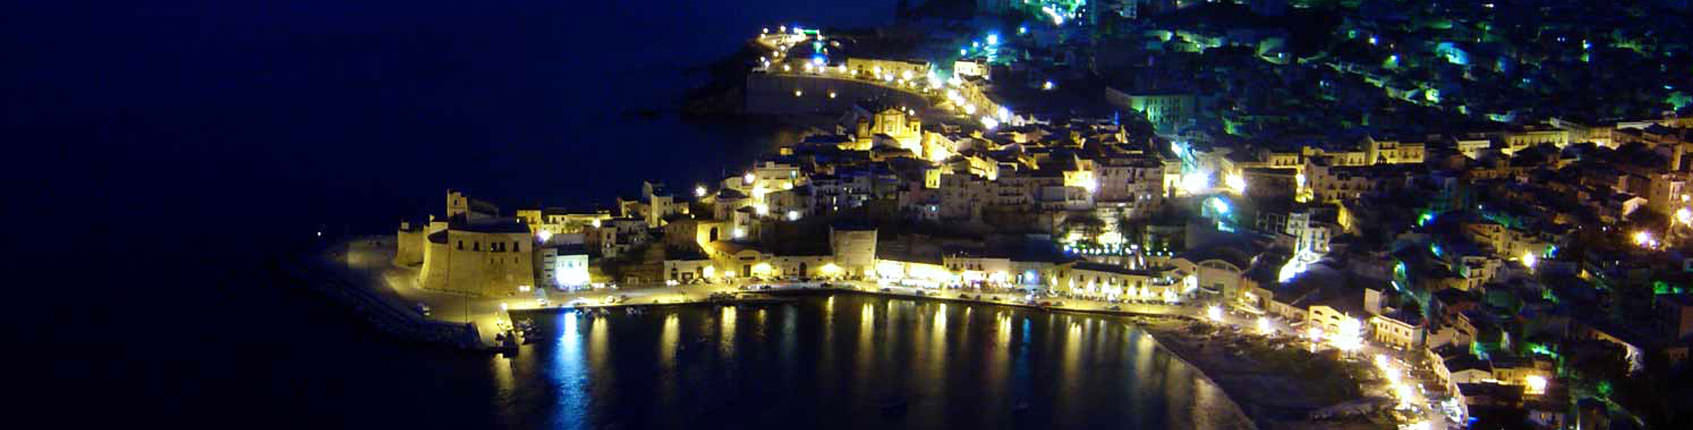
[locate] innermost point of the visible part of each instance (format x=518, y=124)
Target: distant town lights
x=749, y=178
x=993, y=39
x=699, y=191
x=1046, y=86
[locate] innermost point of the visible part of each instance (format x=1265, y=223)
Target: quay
x=358, y=273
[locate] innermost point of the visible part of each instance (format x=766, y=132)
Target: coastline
x=1266, y=398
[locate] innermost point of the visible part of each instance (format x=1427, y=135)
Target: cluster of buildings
x=1534, y=256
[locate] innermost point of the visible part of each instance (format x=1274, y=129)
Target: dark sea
x=161, y=157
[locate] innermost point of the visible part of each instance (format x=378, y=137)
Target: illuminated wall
x=477, y=263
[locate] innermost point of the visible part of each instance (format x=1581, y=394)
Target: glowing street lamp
x=749, y=178
x=699, y=191
x=1684, y=216
x=1215, y=313
x=543, y=235
x=1264, y=326
x=1529, y=260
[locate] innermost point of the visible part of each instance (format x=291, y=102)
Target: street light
x=1215, y=313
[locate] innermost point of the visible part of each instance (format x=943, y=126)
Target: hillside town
x=1443, y=182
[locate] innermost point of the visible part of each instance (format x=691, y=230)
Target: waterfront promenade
x=372, y=256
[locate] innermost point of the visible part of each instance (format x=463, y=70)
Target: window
x=461, y=245
x=476, y=246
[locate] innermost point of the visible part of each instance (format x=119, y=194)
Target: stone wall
x=479, y=268
x=776, y=94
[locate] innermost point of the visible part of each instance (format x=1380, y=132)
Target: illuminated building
x=475, y=251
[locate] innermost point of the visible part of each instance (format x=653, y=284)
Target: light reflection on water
x=909, y=364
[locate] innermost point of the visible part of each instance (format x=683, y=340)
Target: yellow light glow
x=1684, y=216
x=1110, y=238
x=761, y=209
x=1529, y=260
x=830, y=269
x=699, y=191
x=749, y=178
x=543, y=235
x=1215, y=313
x=1350, y=337
x=1264, y=326
x=710, y=272
x=1235, y=182
x=1536, y=384
x=1643, y=238
x=797, y=93
x=761, y=269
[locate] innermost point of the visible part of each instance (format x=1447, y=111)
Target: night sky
x=161, y=155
